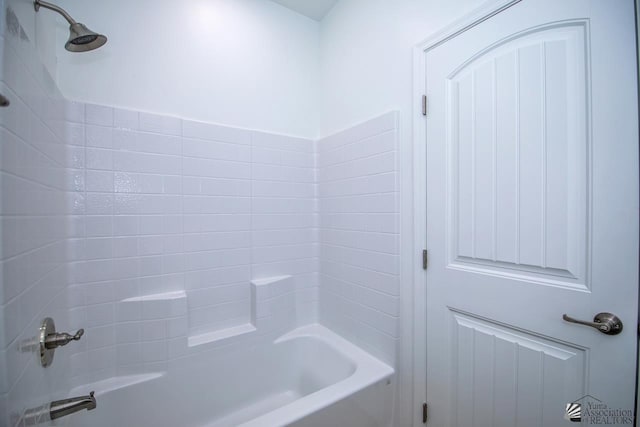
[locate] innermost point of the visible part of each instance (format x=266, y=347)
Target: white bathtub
x=277, y=383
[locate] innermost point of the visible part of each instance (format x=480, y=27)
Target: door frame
x=414, y=206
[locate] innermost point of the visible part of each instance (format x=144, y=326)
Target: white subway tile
x=216, y=222
x=99, y=181
x=124, y=247
x=158, y=144
x=154, y=351
x=76, y=157
x=203, y=279
x=128, y=311
x=368, y=203
x=150, y=266
x=128, y=332
x=203, y=149
x=98, y=226
x=74, y=133
x=99, y=203
x=281, y=142
x=99, y=115
x=125, y=225
x=177, y=347
x=125, y=119
x=100, y=337
x=100, y=315
x=153, y=330
x=99, y=136
x=367, y=147
x=177, y=327
x=98, y=158
x=127, y=161
x=160, y=124
x=156, y=309
x=208, y=168
x=380, y=163
x=283, y=205
x=200, y=130
x=98, y=248
x=129, y=354
x=150, y=245
x=283, y=221
x=125, y=139
x=219, y=240
x=74, y=111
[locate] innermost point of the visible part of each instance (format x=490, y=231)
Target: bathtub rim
x=369, y=371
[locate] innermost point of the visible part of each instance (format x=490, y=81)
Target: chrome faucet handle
x=49, y=340
x=58, y=339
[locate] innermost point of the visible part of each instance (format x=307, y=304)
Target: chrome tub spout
x=61, y=408
x=57, y=409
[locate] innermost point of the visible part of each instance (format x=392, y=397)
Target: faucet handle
x=77, y=337
x=49, y=340
x=58, y=339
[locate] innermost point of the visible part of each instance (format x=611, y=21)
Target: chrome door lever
x=606, y=323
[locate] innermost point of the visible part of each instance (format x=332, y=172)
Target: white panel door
x=532, y=212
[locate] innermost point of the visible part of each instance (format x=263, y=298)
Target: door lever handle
x=606, y=323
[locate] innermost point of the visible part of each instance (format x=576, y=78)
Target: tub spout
x=64, y=407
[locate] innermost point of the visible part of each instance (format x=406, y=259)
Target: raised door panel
x=503, y=376
x=519, y=141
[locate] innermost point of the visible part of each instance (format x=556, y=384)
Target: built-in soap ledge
x=158, y=297
x=154, y=306
x=269, y=295
x=220, y=334
x=115, y=383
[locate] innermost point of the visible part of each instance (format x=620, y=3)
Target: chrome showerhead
x=81, y=39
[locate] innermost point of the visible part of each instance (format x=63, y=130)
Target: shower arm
x=61, y=11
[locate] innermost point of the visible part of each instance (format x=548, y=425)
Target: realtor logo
x=572, y=412
x=593, y=411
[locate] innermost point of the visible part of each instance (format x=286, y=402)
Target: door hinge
x=424, y=413
x=425, y=259
x=424, y=105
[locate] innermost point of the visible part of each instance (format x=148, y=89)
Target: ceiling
x=314, y=9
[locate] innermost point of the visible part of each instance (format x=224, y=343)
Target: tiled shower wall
x=164, y=205
x=33, y=225
x=136, y=204
x=360, y=234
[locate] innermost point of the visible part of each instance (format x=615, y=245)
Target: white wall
x=38, y=30
x=366, y=54
x=246, y=63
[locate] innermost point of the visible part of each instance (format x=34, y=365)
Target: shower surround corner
x=170, y=240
